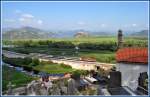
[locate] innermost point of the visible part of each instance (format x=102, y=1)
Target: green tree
x=35, y=62
x=27, y=60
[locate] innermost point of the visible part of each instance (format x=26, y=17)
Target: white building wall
x=130, y=73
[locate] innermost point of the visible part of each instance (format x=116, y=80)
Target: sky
x=95, y=16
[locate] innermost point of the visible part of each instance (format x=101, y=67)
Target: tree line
x=101, y=45
x=27, y=63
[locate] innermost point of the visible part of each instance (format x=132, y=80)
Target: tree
x=27, y=60
x=76, y=75
x=35, y=62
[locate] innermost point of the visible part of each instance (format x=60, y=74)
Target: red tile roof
x=132, y=55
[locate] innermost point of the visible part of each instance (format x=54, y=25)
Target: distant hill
x=143, y=33
x=26, y=33
x=81, y=34
x=35, y=33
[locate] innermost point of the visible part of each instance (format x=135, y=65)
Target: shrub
x=65, y=66
x=27, y=60
x=35, y=62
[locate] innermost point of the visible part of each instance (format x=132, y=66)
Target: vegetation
x=101, y=48
x=101, y=56
x=17, y=78
x=37, y=66
x=99, y=43
x=35, y=62
x=89, y=91
x=146, y=83
x=21, y=61
x=53, y=68
x=65, y=66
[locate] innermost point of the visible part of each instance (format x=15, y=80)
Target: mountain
x=26, y=33
x=6, y=29
x=73, y=33
x=143, y=33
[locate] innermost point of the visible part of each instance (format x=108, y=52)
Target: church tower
x=120, y=39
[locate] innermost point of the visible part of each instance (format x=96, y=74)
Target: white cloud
x=81, y=23
x=18, y=11
x=25, y=20
x=40, y=22
x=134, y=25
x=29, y=19
x=103, y=25
x=130, y=25
x=9, y=20
x=27, y=16
x=22, y=19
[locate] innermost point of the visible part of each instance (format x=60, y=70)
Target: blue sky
x=97, y=16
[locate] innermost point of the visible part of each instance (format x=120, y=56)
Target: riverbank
x=17, y=78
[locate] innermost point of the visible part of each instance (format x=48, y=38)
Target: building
x=120, y=39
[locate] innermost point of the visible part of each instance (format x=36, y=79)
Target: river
x=21, y=69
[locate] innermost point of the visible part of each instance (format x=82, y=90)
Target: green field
x=100, y=56
x=98, y=39
x=102, y=48
x=17, y=78
x=53, y=68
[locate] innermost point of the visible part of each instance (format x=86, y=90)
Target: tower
x=120, y=39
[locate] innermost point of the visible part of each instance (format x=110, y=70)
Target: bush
x=35, y=62
x=46, y=62
x=76, y=75
x=19, y=61
x=27, y=68
x=62, y=44
x=27, y=60
x=13, y=61
x=24, y=51
x=65, y=66
x=99, y=46
x=35, y=71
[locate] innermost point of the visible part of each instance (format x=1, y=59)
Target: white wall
x=130, y=73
